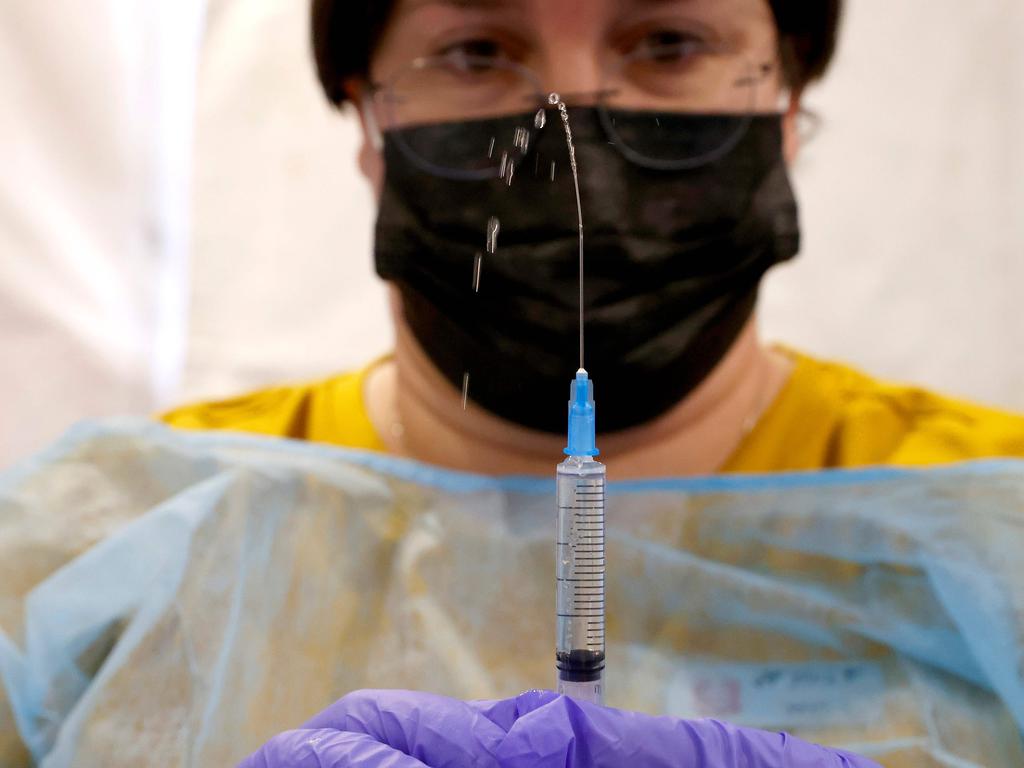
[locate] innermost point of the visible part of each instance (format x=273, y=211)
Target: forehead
x=548, y=25
x=577, y=5
x=582, y=10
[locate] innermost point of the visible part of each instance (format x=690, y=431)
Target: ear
x=371, y=156
x=791, y=128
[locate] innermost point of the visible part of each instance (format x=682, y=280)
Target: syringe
x=580, y=564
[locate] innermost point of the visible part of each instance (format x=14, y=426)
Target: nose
x=571, y=65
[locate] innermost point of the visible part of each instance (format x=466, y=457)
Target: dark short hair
x=346, y=32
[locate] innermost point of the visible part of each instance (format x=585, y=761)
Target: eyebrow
x=471, y=5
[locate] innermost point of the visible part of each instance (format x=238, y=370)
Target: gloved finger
x=505, y=712
x=437, y=730
x=572, y=734
x=327, y=748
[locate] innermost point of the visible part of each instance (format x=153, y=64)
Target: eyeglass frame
x=538, y=100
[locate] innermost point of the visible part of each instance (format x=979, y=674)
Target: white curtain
x=283, y=287
x=95, y=127
x=913, y=201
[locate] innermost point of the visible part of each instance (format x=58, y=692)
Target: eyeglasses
x=644, y=103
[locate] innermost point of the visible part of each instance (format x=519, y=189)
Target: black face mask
x=673, y=261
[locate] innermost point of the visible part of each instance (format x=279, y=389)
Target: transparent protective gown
x=177, y=599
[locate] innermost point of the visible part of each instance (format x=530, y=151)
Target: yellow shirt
x=827, y=415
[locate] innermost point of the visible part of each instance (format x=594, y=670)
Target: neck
x=697, y=436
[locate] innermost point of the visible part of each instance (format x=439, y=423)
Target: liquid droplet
x=503, y=168
x=540, y=119
x=553, y=99
x=478, y=265
x=465, y=389
x=521, y=140
x=511, y=172
x=493, y=230
x=490, y=150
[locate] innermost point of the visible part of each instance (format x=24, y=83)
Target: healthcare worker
x=685, y=118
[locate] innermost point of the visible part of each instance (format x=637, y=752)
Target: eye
x=461, y=52
x=670, y=47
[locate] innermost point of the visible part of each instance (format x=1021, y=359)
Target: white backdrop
x=112, y=301
x=913, y=201
x=282, y=280
x=96, y=102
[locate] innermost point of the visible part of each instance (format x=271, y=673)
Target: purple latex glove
x=400, y=729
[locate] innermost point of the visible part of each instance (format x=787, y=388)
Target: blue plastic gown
x=176, y=599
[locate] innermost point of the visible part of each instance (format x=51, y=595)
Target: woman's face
x=572, y=45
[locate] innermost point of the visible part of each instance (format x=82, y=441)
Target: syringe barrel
x=580, y=573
